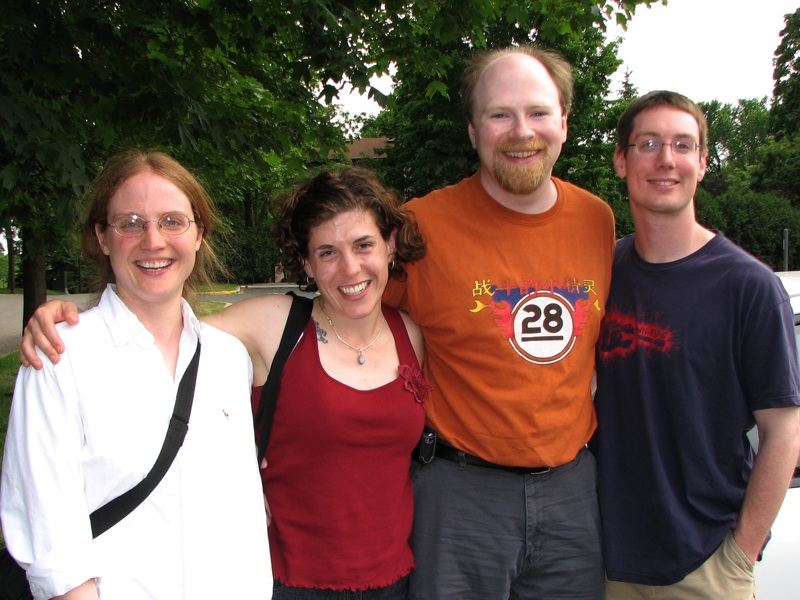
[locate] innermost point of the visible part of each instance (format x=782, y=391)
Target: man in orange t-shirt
x=510, y=297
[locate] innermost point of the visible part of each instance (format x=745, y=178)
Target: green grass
x=208, y=308
x=9, y=366
x=18, y=291
x=218, y=288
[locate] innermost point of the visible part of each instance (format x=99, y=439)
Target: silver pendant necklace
x=361, y=358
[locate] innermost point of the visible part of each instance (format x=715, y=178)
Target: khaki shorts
x=726, y=574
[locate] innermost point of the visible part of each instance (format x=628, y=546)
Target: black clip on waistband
x=429, y=448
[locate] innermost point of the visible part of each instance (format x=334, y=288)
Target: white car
x=777, y=574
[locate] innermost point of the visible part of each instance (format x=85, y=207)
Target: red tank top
x=338, y=477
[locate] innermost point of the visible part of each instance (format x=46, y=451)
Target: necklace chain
x=361, y=358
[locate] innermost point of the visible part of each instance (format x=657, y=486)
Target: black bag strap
x=117, y=509
x=299, y=314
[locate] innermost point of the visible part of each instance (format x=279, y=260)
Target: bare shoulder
x=414, y=334
x=258, y=322
x=253, y=316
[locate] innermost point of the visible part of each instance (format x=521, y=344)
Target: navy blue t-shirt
x=687, y=351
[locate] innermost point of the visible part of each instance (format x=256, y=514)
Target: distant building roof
x=366, y=148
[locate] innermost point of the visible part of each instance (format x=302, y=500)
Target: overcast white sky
x=704, y=49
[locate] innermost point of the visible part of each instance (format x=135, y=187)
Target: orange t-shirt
x=510, y=307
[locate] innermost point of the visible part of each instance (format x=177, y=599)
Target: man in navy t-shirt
x=697, y=346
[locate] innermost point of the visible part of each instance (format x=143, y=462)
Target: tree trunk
x=34, y=280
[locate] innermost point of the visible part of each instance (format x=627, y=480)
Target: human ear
x=101, y=237
x=620, y=161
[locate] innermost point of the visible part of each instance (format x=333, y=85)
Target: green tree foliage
x=618, y=199
x=587, y=158
x=776, y=169
x=237, y=89
x=430, y=146
x=84, y=78
x=752, y=187
x=755, y=221
x=253, y=257
x=786, y=94
x=709, y=210
x=426, y=123
x=750, y=190
x=736, y=132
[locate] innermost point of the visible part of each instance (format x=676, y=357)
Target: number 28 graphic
x=543, y=327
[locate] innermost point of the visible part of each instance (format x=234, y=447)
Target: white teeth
x=156, y=264
x=520, y=154
x=354, y=290
x=663, y=182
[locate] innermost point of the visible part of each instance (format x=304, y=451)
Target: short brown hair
x=337, y=191
x=119, y=169
x=556, y=65
x=653, y=100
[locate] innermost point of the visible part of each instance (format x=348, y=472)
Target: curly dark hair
x=337, y=191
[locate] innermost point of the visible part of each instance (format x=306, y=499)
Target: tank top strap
x=405, y=350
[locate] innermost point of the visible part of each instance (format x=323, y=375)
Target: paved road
x=11, y=309
x=11, y=318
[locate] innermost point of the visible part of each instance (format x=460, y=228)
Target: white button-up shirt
x=88, y=429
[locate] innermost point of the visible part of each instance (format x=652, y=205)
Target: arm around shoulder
x=41, y=331
x=258, y=322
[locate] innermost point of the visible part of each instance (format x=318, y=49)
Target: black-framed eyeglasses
x=652, y=147
x=134, y=225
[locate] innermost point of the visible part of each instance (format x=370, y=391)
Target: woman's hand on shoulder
x=41, y=332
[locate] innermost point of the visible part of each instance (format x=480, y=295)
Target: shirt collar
x=125, y=327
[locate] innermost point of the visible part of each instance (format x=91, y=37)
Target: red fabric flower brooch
x=415, y=382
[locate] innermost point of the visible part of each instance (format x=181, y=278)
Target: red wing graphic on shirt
x=501, y=311
x=541, y=326
x=622, y=335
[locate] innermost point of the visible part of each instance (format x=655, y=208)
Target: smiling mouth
x=663, y=182
x=354, y=290
x=522, y=154
x=153, y=265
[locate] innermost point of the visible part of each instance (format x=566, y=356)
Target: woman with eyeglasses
x=89, y=428
x=350, y=409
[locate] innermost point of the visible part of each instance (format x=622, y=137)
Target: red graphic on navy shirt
x=622, y=335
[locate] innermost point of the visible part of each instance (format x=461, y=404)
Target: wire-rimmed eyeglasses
x=134, y=225
x=651, y=147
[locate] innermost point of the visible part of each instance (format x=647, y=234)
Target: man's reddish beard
x=522, y=179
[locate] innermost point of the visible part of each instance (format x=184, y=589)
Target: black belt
x=454, y=454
